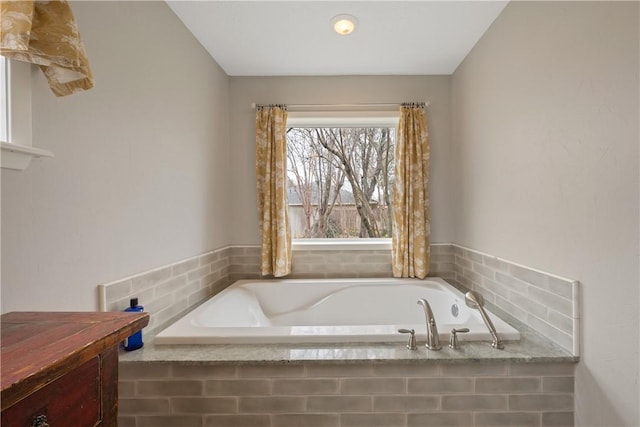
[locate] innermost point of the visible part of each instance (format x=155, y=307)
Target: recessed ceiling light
x=344, y=24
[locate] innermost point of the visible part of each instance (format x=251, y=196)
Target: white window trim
x=342, y=119
x=17, y=151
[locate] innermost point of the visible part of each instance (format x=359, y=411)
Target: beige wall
x=335, y=90
x=139, y=177
x=545, y=155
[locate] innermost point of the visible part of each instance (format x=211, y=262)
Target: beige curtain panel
x=271, y=173
x=411, y=224
x=45, y=33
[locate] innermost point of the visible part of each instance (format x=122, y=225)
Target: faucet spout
x=433, y=340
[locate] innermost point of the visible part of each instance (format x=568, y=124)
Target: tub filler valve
x=411, y=345
x=433, y=340
x=453, y=338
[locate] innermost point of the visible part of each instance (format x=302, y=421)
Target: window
x=15, y=115
x=340, y=177
x=4, y=100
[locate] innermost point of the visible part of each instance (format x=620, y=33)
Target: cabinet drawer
x=72, y=400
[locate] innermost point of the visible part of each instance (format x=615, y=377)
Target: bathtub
x=329, y=311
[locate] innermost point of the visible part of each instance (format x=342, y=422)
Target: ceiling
x=283, y=38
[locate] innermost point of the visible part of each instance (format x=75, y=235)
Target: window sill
x=340, y=244
x=18, y=157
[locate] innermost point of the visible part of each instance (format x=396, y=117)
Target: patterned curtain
x=45, y=33
x=271, y=173
x=411, y=225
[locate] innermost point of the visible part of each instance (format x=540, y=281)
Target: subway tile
x=507, y=419
x=169, y=421
x=271, y=404
x=440, y=419
x=158, y=304
x=203, y=371
x=530, y=276
x=446, y=258
x=557, y=419
x=560, y=321
x=237, y=387
x=170, y=285
x=484, y=271
x=184, y=266
x=151, y=278
x=118, y=290
x=136, y=406
x=169, y=388
x=405, y=403
x=209, y=258
x=440, y=385
x=199, y=273
x=126, y=388
x=495, y=263
x=372, y=385
x=558, y=384
x=237, y=420
x=126, y=421
x=510, y=308
x=472, y=255
x=306, y=420
x=305, y=386
x=560, y=287
x=373, y=420
x=511, y=282
x=474, y=402
x=542, y=369
x=407, y=370
x=134, y=371
x=204, y=405
x=339, y=370
x=525, y=303
x=507, y=385
x=463, y=262
x=496, y=288
x=541, y=402
x=561, y=338
x=474, y=369
x=271, y=371
x=555, y=302
x=339, y=403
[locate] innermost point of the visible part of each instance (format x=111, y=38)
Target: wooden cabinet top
x=38, y=347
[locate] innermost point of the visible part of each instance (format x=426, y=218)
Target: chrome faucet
x=433, y=340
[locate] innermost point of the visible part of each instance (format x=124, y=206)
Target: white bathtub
x=329, y=311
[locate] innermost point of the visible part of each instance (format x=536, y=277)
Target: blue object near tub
x=134, y=342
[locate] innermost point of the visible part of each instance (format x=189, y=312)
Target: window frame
x=16, y=144
x=344, y=119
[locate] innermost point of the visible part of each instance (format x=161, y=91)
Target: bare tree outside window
x=340, y=181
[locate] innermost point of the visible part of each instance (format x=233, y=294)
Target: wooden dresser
x=61, y=369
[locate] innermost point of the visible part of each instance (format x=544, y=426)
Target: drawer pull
x=40, y=421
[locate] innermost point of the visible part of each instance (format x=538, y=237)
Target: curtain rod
x=374, y=105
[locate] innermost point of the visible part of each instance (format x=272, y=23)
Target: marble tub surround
x=172, y=290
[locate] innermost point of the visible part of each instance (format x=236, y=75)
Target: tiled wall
x=320, y=264
x=545, y=302
x=346, y=395
x=171, y=290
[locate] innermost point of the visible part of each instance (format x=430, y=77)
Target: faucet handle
x=411, y=345
x=453, y=338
